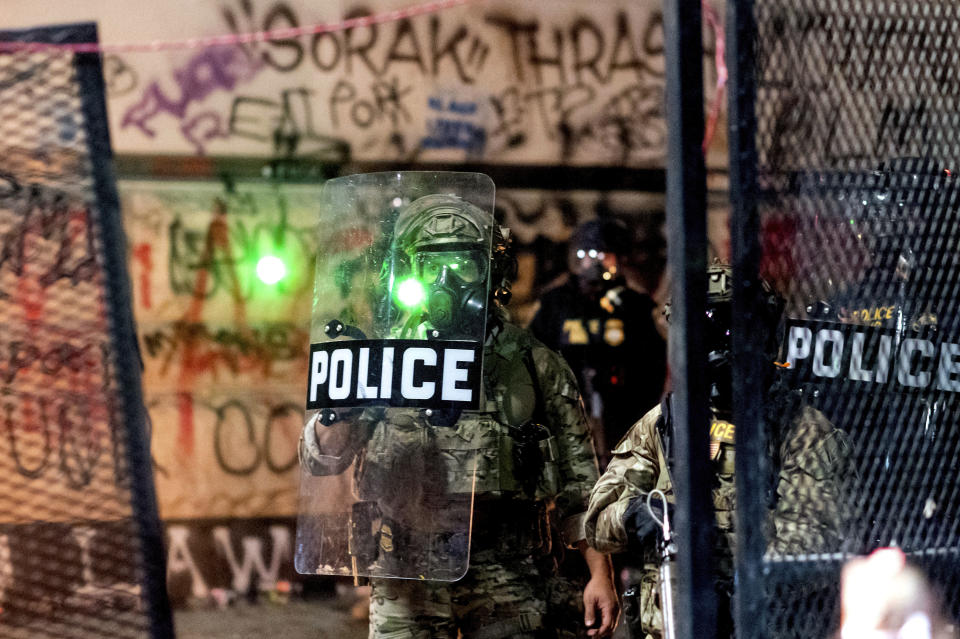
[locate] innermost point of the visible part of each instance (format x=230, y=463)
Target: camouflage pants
x=644, y=617
x=497, y=598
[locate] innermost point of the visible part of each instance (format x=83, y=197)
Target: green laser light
x=271, y=269
x=410, y=293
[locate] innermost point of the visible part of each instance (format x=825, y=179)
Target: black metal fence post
x=687, y=257
x=117, y=279
x=747, y=351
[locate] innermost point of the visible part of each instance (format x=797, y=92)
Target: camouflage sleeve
x=634, y=470
x=576, y=457
x=811, y=513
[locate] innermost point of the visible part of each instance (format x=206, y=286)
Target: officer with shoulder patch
x=605, y=330
x=524, y=459
x=814, y=461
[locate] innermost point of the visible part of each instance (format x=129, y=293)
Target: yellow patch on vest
x=575, y=331
x=722, y=431
x=386, y=538
x=613, y=332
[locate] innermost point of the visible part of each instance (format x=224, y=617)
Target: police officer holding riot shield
x=438, y=486
x=900, y=302
x=813, y=461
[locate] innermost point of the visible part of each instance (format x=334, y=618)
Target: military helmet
x=603, y=234
x=718, y=325
x=904, y=217
x=442, y=222
x=717, y=337
x=458, y=255
x=907, y=210
x=719, y=287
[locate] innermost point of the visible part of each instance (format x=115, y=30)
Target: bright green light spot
x=410, y=293
x=271, y=269
x=454, y=266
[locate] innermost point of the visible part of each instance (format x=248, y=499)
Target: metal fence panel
x=80, y=542
x=845, y=141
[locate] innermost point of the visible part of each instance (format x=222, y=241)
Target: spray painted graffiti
x=287, y=122
x=219, y=68
x=118, y=76
x=55, y=221
x=84, y=585
x=222, y=351
x=52, y=436
x=883, y=54
x=256, y=349
x=234, y=555
x=420, y=46
x=225, y=366
x=56, y=417
x=548, y=87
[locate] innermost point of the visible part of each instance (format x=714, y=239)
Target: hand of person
x=600, y=604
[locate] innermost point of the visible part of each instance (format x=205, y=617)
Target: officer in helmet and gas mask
x=605, y=330
x=522, y=460
x=813, y=461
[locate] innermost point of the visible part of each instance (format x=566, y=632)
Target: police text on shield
x=418, y=373
x=873, y=355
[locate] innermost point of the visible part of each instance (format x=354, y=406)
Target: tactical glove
x=637, y=520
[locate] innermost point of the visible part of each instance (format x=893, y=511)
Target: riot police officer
x=903, y=287
x=605, y=331
x=523, y=459
x=814, y=462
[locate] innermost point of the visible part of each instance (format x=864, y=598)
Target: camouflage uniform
x=814, y=465
x=509, y=587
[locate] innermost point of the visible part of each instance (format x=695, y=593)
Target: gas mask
x=595, y=249
x=455, y=292
x=595, y=270
x=717, y=337
x=440, y=272
x=719, y=364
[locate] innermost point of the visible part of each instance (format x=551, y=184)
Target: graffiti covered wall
x=222, y=352
x=225, y=355
x=564, y=83
x=491, y=81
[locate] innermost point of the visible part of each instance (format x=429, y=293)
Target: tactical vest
x=502, y=449
x=723, y=492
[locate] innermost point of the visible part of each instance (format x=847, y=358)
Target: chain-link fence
x=80, y=551
x=845, y=200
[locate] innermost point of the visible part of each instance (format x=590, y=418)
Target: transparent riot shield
x=398, y=325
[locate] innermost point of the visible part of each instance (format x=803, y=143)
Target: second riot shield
x=398, y=326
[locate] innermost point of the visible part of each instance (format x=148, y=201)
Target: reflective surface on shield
x=386, y=489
